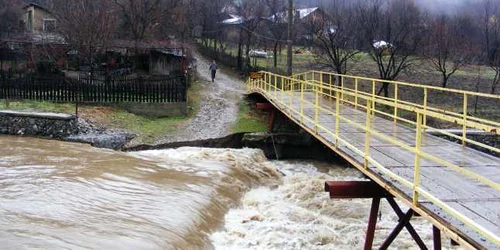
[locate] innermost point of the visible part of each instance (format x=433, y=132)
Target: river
x=60, y=195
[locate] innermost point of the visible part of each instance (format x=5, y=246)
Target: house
x=310, y=15
x=301, y=16
x=39, y=19
x=306, y=22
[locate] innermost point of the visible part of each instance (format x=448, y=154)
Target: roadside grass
x=147, y=130
x=194, y=94
x=486, y=72
x=37, y=106
x=248, y=120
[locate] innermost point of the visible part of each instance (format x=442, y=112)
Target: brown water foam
x=64, y=195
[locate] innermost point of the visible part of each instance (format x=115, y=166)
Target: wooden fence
x=94, y=89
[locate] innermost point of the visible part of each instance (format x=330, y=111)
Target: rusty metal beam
x=264, y=106
x=408, y=226
x=437, y=237
x=355, y=189
x=272, y=113
x=402, y=223
x=270, y=120
x=372, y=222
x=370, y=189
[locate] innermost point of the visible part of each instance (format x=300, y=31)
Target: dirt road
x=218, y=107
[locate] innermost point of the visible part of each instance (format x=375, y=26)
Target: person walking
x=213, y=69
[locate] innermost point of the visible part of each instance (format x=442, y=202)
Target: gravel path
x=218, y=107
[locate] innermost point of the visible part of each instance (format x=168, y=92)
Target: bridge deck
x=477, y=201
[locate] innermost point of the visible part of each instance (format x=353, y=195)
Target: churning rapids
x=59, y=195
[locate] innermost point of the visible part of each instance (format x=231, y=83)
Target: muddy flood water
x=59, y=195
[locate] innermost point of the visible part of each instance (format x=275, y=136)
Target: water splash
x=298, y=214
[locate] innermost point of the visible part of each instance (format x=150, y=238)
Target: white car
x=258, y=53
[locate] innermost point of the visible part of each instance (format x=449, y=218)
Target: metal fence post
x=276, y=86
x=396, y=102
x=282, y=87
x=464, y=127
x=418, y=146
x=321, y=82
x=316, y=108
x=424, y=121
x=331, y=85
x=337, y=117
x=302, y=101
x=373, y=96
x=369, y=108
x=356, y=93
x=268, y=82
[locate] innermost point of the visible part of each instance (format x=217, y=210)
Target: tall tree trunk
x=385, y=88
x=247, y=52
x=495, y=82
x=275, y=54
x=215, y=46
x=240, y=51
x=444, y=80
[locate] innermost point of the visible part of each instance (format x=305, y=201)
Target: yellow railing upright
x=361, y=94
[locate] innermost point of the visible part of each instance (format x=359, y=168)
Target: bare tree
x=140, y=16
x=211, y=20
x=87, y=25
x=276, y=24
x=393, y=31
x=176, y=19
x=491, y=34
x=336, y=38
x=251, y=12
x=180, y=18
x=10, y=13
x=448, y=48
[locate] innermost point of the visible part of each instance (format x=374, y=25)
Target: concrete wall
x=38, y=124
x=156, y=110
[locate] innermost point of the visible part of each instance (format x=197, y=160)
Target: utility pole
x=290, y=37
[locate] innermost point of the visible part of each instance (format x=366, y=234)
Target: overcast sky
x=446, y=6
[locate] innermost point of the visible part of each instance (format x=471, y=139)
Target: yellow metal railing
x=321, y=86
x=462, y=119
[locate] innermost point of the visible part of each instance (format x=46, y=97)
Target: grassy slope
x=249, y=120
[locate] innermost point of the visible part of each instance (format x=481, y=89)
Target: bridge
x=393, y=141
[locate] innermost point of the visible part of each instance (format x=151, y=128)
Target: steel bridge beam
x=370, y=189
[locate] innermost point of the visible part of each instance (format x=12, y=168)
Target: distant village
x=46, y=41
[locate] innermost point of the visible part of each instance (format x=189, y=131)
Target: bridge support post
x=436, y=234
x=272, y=114
x=372, y=223
x=369, y=189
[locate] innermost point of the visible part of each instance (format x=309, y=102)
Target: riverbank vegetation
x=249, y=119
